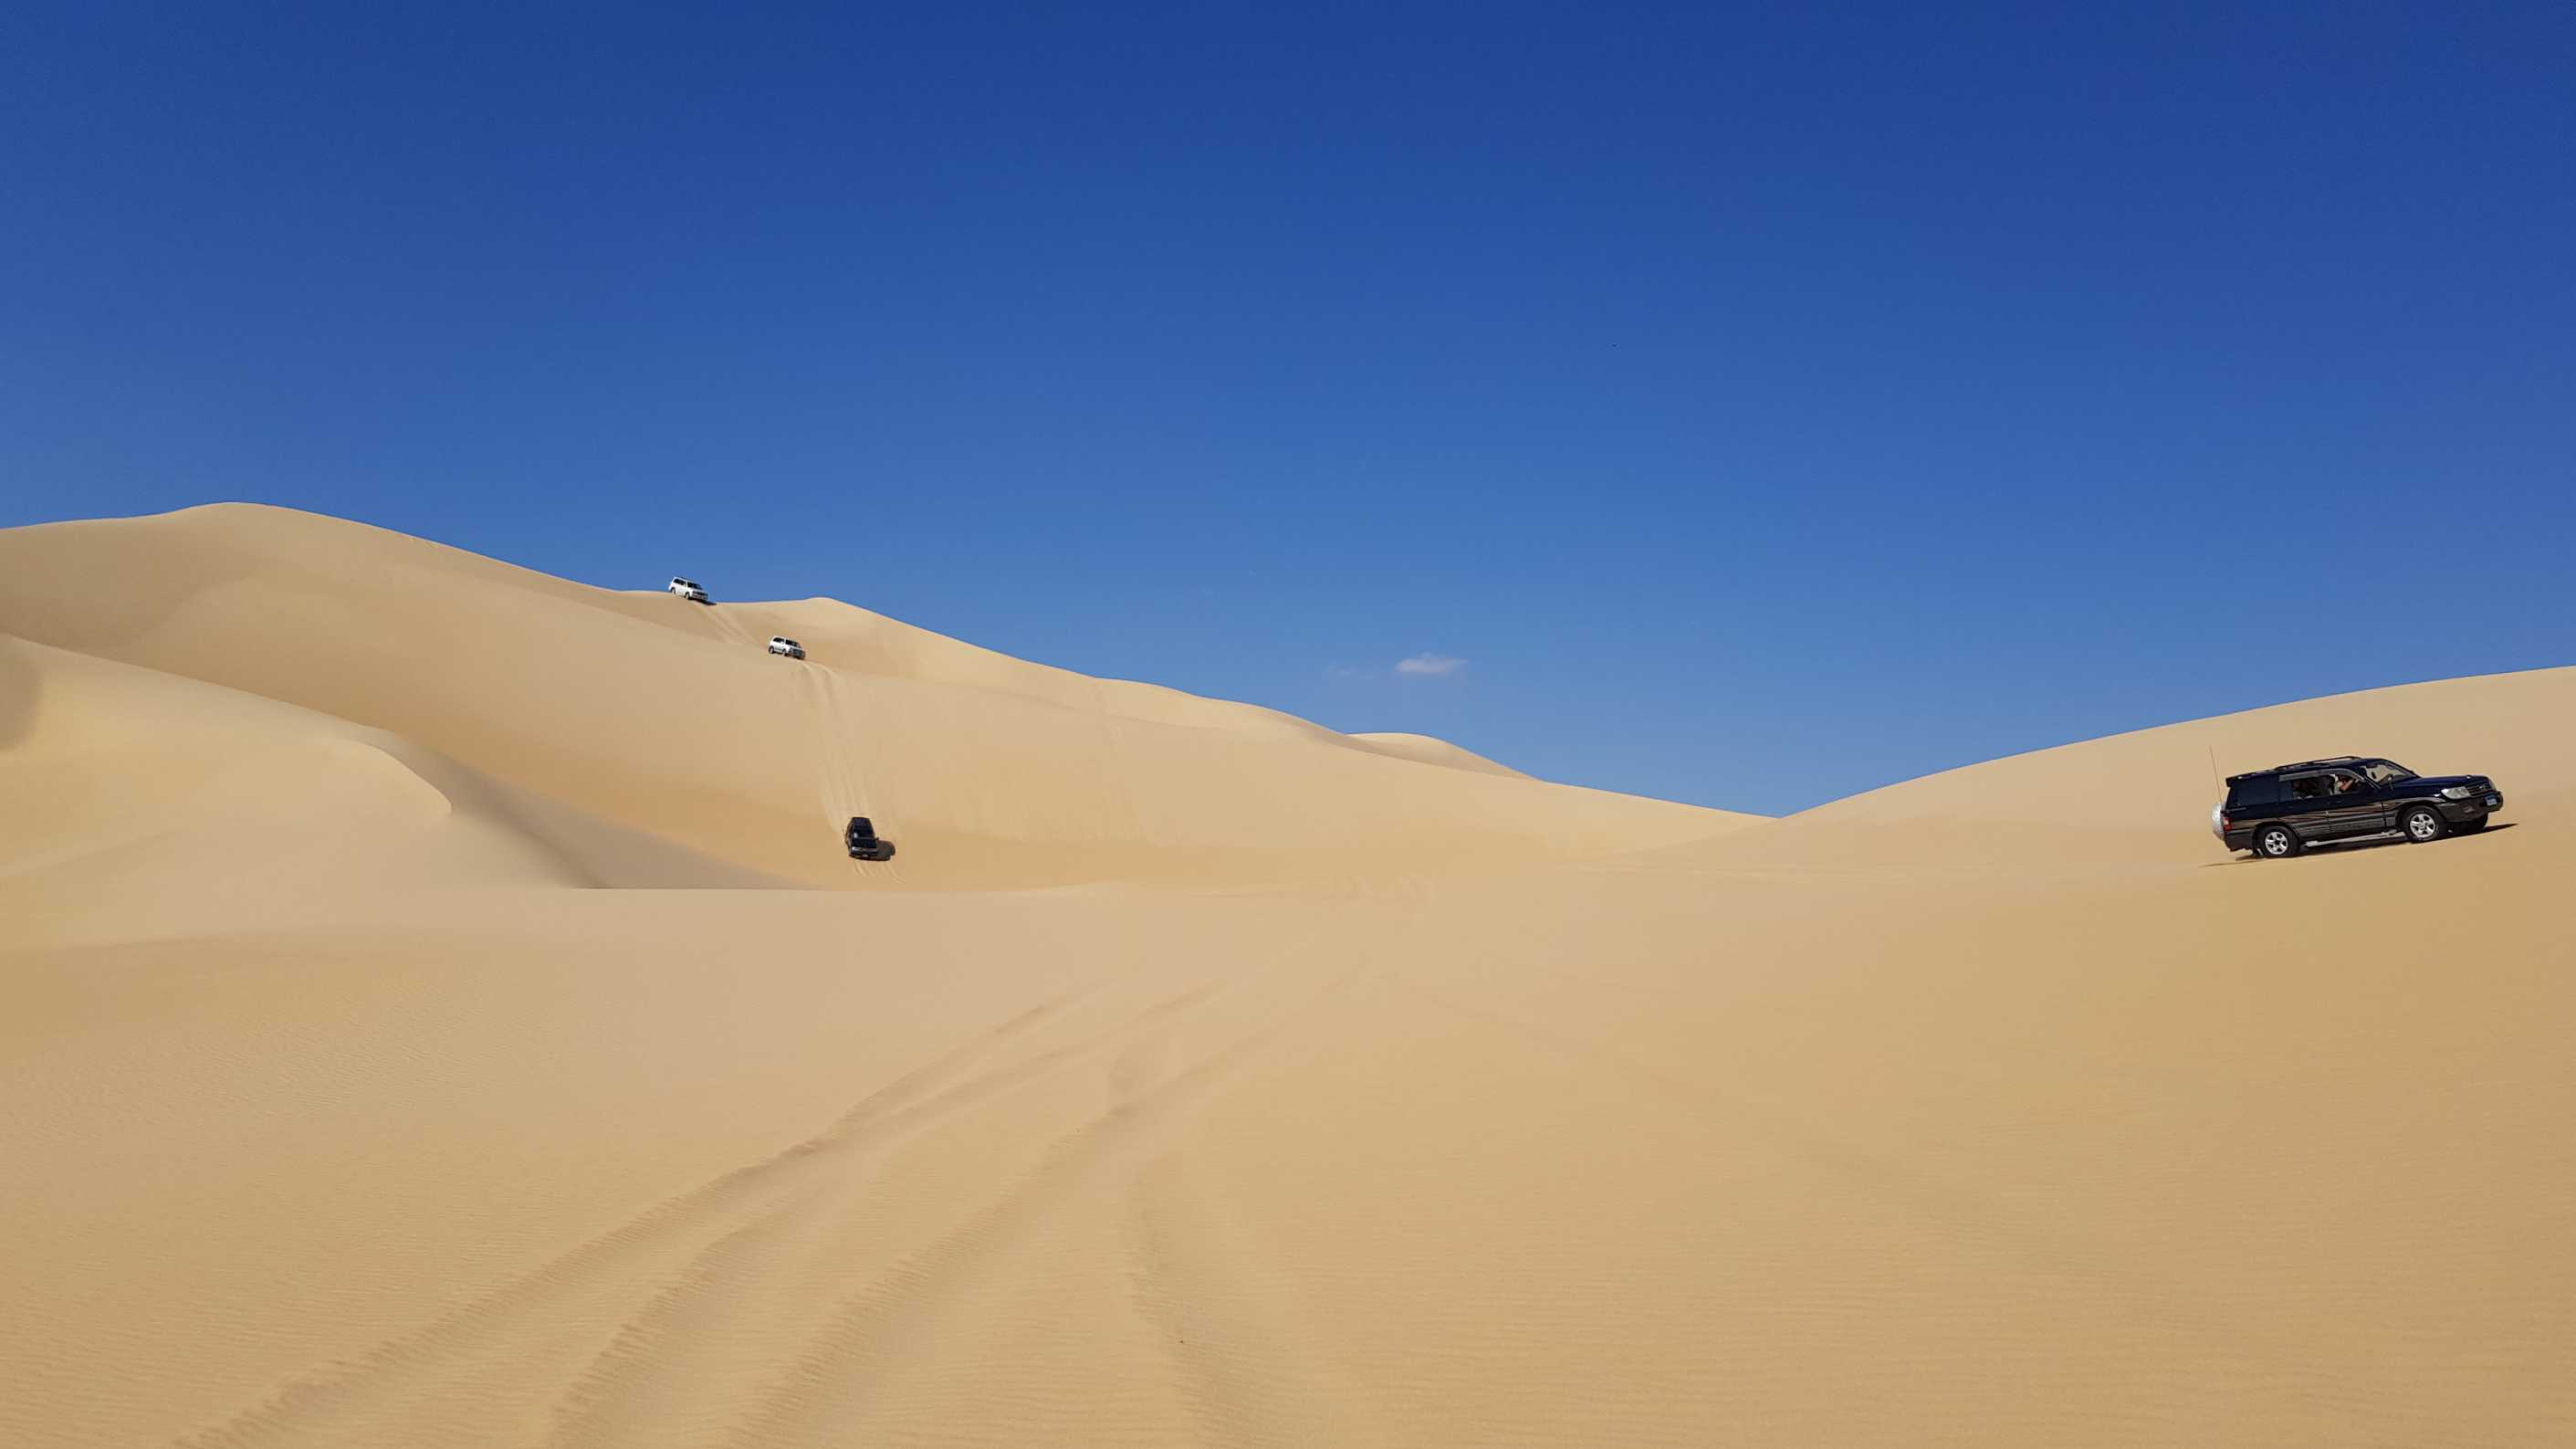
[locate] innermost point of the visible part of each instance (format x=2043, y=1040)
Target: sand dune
x=2145, y=797
x=432, y=1012
x=1432, y=751
x=670, y=719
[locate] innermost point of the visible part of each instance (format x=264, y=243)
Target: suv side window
x=2246, y=793
x=2306, y=787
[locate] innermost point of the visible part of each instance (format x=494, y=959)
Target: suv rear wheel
x=2421, y=823
x=2277, y=842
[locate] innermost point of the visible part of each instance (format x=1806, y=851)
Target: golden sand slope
x=671, y=719
x=1433, y=752
x=2145, y=797
x=342, y=1105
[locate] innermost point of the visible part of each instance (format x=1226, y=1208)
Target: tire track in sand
x=727, y=624
x=842, y=785
x=822, y=1398
x=1247, y=1374
x=714, y=1208
x=835, y=791
x=618, y=1396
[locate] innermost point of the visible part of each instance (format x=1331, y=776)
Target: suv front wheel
x=2276, y=842
x=2422, y=823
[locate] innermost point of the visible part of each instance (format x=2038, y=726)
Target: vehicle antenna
x=2213, y=766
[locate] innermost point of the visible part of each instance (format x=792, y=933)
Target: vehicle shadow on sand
x=2325, y=848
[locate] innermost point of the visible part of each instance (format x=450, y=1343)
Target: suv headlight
x=2457, y=792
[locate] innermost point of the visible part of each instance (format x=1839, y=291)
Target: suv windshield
x=2383, y=772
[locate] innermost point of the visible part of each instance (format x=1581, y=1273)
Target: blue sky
x=1761, y=404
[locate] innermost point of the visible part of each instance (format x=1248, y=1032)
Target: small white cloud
x=1430, y=664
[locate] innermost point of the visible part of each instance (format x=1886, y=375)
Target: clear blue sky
x=1764, y=403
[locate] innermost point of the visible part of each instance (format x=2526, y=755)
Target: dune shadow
x=2326, y=848
x=2357, y=847
x=18, y=689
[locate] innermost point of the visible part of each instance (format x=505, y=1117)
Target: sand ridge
x=670, y=719
x=432, y=1012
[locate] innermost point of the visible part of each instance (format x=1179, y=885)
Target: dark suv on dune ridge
x=2277, y=813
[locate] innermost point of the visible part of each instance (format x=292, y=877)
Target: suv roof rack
x=2328, y=760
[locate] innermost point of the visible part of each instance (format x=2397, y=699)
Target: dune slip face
x=415, y=1030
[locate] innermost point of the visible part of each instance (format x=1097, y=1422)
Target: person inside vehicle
x=2346, y=784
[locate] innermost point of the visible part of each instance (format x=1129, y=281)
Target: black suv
x=864, y=842
x=2277, y=813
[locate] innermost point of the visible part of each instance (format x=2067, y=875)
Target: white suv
x=781, y=644
x=689, y=590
